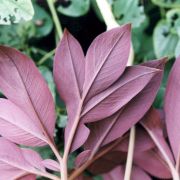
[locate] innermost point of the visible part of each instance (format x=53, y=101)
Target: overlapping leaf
x=17, y=126
x=106, y=60
x=16, y=162
x=145, y=151
x=69, y=69
x=104, y=63
x=134, y=79
x=171, y=107
x=23, y=85
x=113, y=127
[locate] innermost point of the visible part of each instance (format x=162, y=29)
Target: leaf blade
x=22, y=83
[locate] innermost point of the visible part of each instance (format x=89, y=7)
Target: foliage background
x=155, y=33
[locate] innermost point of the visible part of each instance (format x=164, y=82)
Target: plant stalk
x=47, y=175
x=46, y=56
x=69, y=141
x=107, y=14
x=55, y=18
x=129, y=161
x=56, y=153
x=64, y=170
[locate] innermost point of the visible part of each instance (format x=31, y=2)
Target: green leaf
x=18, y=35
x=47, y=74
x=46, y=152
x=173, y=18
x=14, y=11
x=167, y=3
x=146, y=50
x=76, y=8
x=167, y=35
x=42, y=21
x=164, y=39
x=128, y=11
x=61, y=121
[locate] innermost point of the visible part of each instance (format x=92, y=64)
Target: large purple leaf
x=118, y=173
x=106, y=60
x=16, y=162
x=69, y=66
x=22, y=83
x=108, y=53
x=108, y=102
x=172, y=108
x=17, y=126
x=109, y=129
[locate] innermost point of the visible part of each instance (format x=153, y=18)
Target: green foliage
x=166, y=35
x=167, y=3
x=19, y=35
x=75, y=8
x=42, y=22
x=128, y=11
x=47, y=74
x=15, y=11
x=136, y=16
x=164, y=41
x=62, y=120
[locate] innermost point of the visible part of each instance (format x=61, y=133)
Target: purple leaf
x=103, y=163
x=51, y=164
x=33, y=158
x=111, y=128
x=152, y=162
x=22, y=83
x=172, y=108
x=69, y=66
x=17, y=126
x=142, y=142
x=154, y=127
x=68, y=72
x=82, y=158
x=16, y=162
x=106, y=60
x=28, y=177
x=80, y=137
x=108, y=162
x=10, y=173
x=108, y=102
x=102, y=59
x=137, y=174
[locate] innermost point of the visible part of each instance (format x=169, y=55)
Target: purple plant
x=104, y=99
